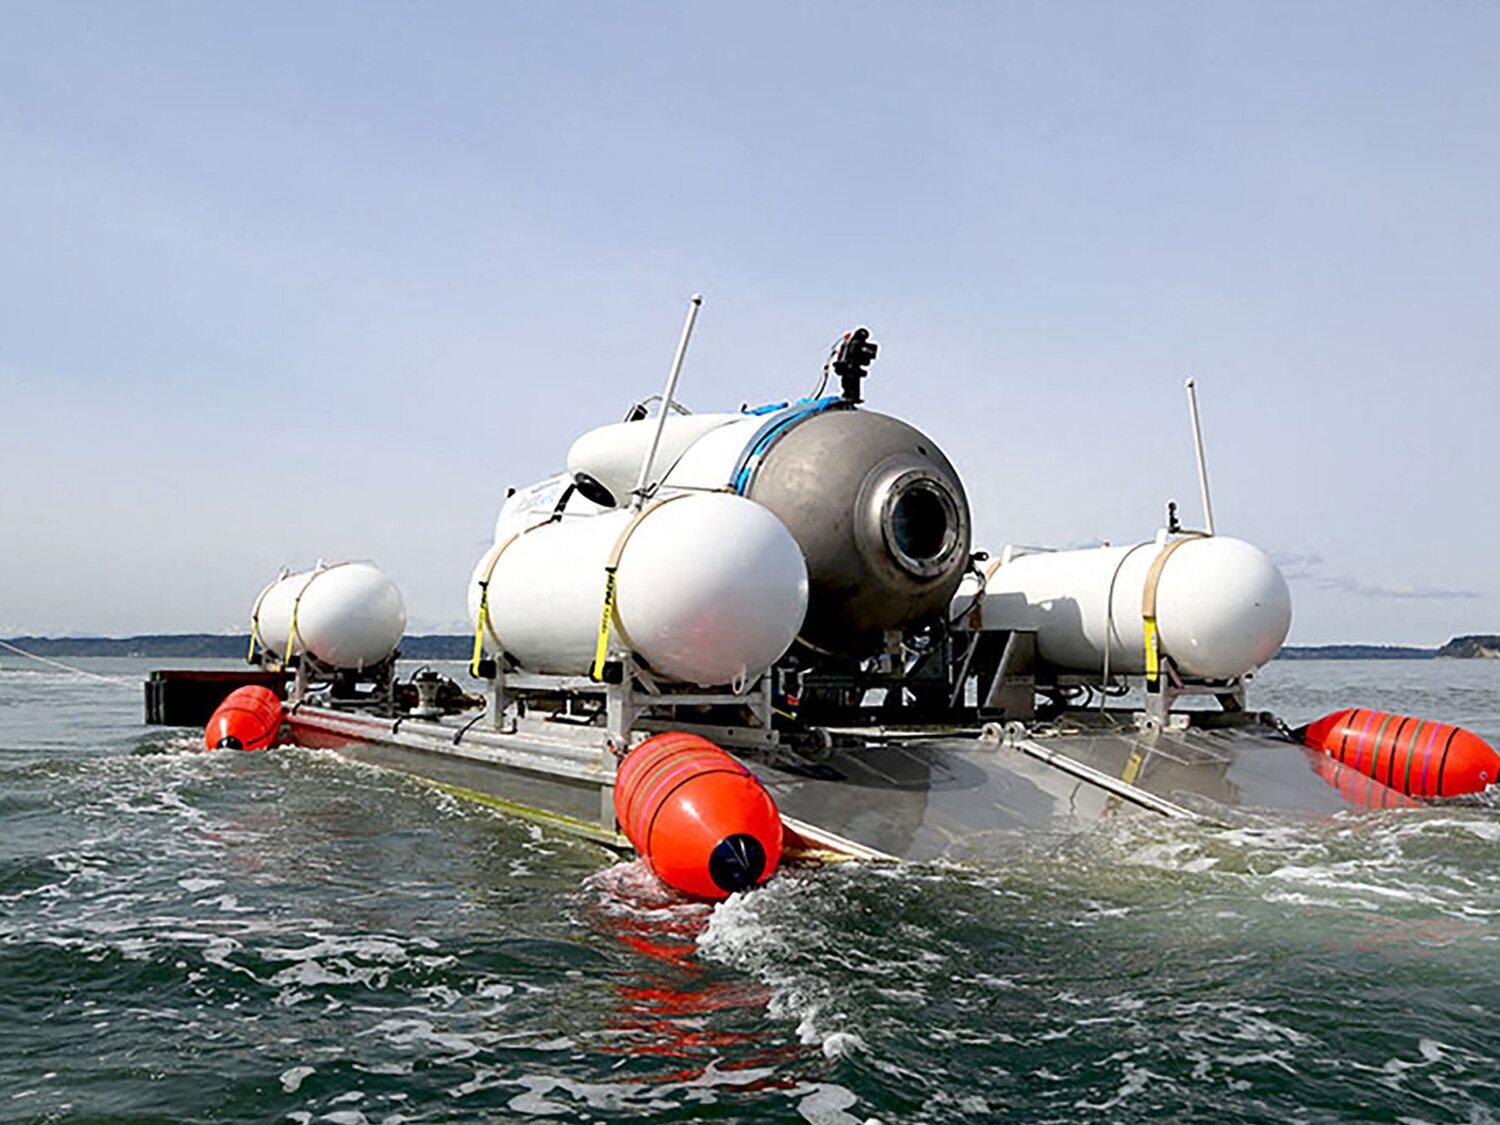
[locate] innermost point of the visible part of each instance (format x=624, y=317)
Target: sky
x=287, y=281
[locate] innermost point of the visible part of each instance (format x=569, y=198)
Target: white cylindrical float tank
x=1222, y=606
x=612, y=455
x=710, y=590
x=540, y=503
x=348, y=615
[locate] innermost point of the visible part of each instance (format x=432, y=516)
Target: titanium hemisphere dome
x=882, y=519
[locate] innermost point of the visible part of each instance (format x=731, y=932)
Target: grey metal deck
x=969, y=799
x=918, y=796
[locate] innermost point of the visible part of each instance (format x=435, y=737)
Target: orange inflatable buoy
x=699, y=819
x=1414, y=756
x=248, y=719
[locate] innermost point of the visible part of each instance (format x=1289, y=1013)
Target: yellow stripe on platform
x=560, y=821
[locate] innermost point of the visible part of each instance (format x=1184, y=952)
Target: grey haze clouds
x=1310, y=570
x=286, y=281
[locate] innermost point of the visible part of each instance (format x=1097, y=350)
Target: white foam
x=825, y=1104
x=842, y=1044
x=291, y=1080
x=408, y=1032
x=1136, y=1079
x=712, y=1076
x=605, y=1096
x=1331, y=878
x=1481, y=827
x=740, y=935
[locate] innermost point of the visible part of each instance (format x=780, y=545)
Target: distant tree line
x=215, y=645
x=1355, y=652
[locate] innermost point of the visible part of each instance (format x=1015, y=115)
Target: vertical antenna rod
x=666, y=401
x=1208, y=508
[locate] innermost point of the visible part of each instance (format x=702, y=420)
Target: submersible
x=731, y=639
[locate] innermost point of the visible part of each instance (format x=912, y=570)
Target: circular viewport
x=921, y=525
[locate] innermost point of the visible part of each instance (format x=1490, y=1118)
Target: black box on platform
x=187, y=698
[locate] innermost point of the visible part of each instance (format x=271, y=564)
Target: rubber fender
x=1418, y=757
x=248, y=719
x=703, y=822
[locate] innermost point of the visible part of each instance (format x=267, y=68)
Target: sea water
x=291, y=937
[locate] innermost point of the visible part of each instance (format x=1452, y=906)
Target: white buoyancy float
x=606, y=461
x=347, y=615
x=1221, y=606
x=541, y=503
x=710, y=589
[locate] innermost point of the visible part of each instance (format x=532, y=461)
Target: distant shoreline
x=1356, y=652
x=456, y=646
x=215, y=646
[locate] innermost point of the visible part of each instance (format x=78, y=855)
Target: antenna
x=666, y=401
x=1208, y=508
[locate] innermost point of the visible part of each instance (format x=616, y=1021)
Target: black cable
x=463, y=730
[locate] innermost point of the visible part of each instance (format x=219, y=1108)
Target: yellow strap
x=255, y=636
x=611, y=568
x=291, y=636
x=606, y=616
x=291, y=633
x=480, y=622
x=1148, y=605
x=1153, y=651
x=482, y=618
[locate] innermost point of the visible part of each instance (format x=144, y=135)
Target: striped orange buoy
x=248, y=719
x=1414, y=756
x=703, y=822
